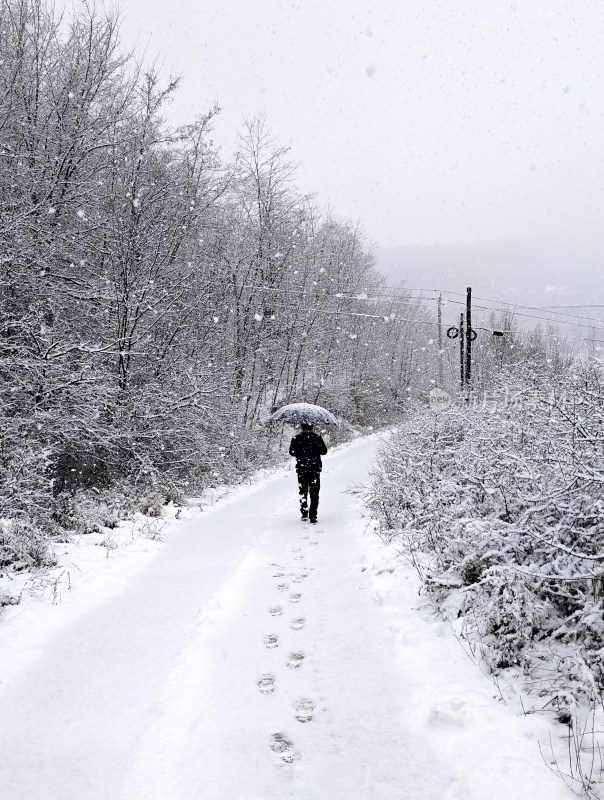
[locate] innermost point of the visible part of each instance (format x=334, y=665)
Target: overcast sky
x=434, y=123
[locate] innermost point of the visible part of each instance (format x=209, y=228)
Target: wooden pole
x=440, y=342
x=468, y=336
x=461, y=352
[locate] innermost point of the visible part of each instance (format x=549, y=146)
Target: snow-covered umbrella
x=296, y=413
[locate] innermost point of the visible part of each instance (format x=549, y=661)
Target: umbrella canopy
x=296, y=413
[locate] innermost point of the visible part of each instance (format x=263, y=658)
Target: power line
x=504, y=309
x=585, y=305
x=362, y=296
x=539, y=308
x=501, y=306
x=533, y=316
x=344, y=312
x=417, y=303
x=505, y=306
x=391, y=318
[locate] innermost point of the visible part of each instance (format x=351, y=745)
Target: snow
x=142, y=682
x=304, y=412
x=496, y=752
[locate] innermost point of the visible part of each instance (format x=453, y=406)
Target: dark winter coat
x=308, y=447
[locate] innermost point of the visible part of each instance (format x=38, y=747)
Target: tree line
x=156, y=300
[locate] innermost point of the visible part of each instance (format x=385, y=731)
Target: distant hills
x=527, y=273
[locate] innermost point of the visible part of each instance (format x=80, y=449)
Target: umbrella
x=303, y=412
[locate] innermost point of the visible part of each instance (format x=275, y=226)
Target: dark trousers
x=309, y=483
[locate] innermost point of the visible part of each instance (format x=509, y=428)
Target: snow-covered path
x=248, y=661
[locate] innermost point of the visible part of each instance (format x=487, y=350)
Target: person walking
x=308, y=447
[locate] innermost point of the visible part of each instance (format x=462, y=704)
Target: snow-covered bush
x=498, y=504
x=501, y=614
x=93, y=510
x=23, y=546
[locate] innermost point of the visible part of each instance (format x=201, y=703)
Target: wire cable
x=361, y=296
x=505, y=307
x=394, y=319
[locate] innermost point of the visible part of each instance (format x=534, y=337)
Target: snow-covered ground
x=249, y=656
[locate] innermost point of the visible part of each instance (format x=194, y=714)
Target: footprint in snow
x=275, y=611
x=266, y=684
x=271, y=640
x=295, y=660
x=283, y=747
x=299, y=578
x=314, y=542
x=304, y=710
x=278, y=574
x=295, y=598
x=283, y=587
x=298, y=623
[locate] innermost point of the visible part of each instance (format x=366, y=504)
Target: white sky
x=431, y=122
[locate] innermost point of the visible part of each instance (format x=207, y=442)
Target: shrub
x=23, y=546
x=502, y=515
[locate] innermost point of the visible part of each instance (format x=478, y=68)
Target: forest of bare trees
x=156, y=301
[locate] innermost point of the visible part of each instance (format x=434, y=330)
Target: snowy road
x=248, y=661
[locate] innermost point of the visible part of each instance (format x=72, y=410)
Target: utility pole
x=440, y=342
x=466, y=336
x=461, y=352
x=468, y=379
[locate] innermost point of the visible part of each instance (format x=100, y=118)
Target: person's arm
x=322, y=446
x=292, y=447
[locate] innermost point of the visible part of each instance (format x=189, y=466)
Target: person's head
x=306, y=426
